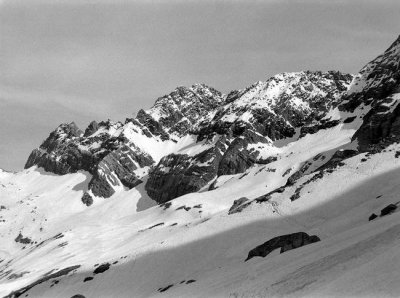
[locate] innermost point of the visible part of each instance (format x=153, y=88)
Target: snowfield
x=127, y=246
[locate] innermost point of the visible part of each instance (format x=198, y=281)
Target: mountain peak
x=181, y=108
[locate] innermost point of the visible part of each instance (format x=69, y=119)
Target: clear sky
x=70, y=60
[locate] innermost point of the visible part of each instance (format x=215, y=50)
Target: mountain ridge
x=183, y=113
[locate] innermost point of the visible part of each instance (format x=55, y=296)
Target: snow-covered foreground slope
x=199, y=250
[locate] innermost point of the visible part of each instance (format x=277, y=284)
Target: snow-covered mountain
x=285, y=188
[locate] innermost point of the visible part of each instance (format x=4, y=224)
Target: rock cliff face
x=284, y=243
x=377, y=87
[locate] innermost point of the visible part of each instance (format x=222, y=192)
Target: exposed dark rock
x=166, y=205
x=372, y=217
x=184, y=207
x=284, y=242
x=152, y=227
x=190, y=281
x=296, y=194
x=388, y=209
x=165, y=288
x=378, y=127
x=232, y=96
x=298, y=174
x=120, y=163
x=317, y=175
x=317, y=127
x=58, y=236
x=337, y=159
x=287, y=172
x=266, y=160
x=87, y=199
x=22, y=239
x=78, y=296
x=101, y=187
x=237, y=158
x=91, y=129
x=239, y=205
x=88, y=278
x=17, y=275
x=177, y=174
x=156, y=225
x=194, y=102
x=267, y=197
x=153, y=126
x=70, y=159
x=349, y=119
x=102, y=268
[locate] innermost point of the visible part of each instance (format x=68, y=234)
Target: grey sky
x=63, y=60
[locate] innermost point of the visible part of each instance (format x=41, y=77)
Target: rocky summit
x=285, y=188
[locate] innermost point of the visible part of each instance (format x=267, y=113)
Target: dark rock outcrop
x=176, y=175
x=179, y=174
x=91, y=129
x=102, y=268
x=372, y=217
x=238, y=158
x=337, y=159
x=314, y=128
x=87, y=199
x=22, y=239
x=388, y=209
x=284, y=243
x=238, y=205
